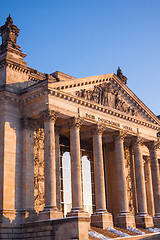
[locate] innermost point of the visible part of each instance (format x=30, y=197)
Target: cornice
x=33, y=74
x=101, y=108
x=138, y=103
x=16, y=50
x=91, y=105
x=82, y=82
x=78, y=82
x=13, y=97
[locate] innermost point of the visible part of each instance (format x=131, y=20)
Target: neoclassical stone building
x=73, y=152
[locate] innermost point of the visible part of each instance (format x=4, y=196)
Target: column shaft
x=100, y=218
x=120, y=166
x=142, y=218
x=140, y=179
x=149, y=188
x=76, y=168
x=99, y=173
x=50, y=164
x=155, y=179
x=124, y=218
x=50, y=209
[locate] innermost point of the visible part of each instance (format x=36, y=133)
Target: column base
x=144, y=221
x=77, y=213
x=47, y=214
x=156, y=221
x=124, y=220
x=101, y=219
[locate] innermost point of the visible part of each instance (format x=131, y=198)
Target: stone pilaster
x=50, y=210
x=28, y=126
x=123, y=218
x=149, y=188
x=77, y=212
x=142, y=218
x=101, y=217
x=152, y=146
x=76, y=179
x=57, y=153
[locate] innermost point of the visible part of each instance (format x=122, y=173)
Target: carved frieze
x=106, y=95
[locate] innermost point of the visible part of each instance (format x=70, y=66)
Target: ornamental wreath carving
x=106, y=95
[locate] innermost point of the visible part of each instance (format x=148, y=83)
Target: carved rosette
x=98, y=129
x=49, y=115
x=76, y=122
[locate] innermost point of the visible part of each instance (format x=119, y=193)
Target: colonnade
x=101, y=217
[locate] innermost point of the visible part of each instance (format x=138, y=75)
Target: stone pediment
x=106, y=95
x=108, y=91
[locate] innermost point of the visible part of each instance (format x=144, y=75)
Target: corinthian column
x=155, y=180
x=123, y=218
x=101, y=218
x=142, y=218
x=50, y=210
x=149, y=188
x=76, y=179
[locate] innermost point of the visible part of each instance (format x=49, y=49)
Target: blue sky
x=91, y=37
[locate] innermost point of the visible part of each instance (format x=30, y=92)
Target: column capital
x=146, y=159
x=137, y=140
x=119, y=135
x=75, y=122
x=49, y=115
x=29, y=123
x=152, y=145
x=98, y=129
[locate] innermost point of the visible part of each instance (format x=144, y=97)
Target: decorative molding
x=103, y=109
x=29, y=123
x=5, y=95
x=152, y=145
x=105, y=94
x=98, y=129
x=47, y=115
x=75, y=122
x=138, y=140
x=39, y=179
x=146, y=159
x=119, y=135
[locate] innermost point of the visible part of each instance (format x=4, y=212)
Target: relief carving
x=129, y=180
x=106, y=95
x=39, y=201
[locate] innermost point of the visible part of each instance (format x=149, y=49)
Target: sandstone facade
x=99, y=118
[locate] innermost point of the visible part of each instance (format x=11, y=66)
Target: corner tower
x=12, y=67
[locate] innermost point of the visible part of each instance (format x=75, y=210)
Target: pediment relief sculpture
x=106, y=95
